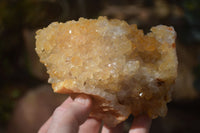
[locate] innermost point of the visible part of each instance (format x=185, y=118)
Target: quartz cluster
x=124, y=70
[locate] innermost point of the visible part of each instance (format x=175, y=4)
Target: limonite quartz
x=101, y=56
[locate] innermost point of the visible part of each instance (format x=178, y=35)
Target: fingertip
x=141, y=124
x=66, y=102
x=71, y=114
x=84, y=100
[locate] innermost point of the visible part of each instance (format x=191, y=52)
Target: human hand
x=72, y=117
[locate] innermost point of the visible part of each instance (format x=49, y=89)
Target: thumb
x=70, y=115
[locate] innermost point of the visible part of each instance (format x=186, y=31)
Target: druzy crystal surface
x=111, y=57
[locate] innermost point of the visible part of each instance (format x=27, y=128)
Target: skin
x=72, y=116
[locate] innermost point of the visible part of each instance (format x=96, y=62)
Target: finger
x=141, y=124
x=117, y=129
x=69, y=116
x=45, y=126
x=90, y=126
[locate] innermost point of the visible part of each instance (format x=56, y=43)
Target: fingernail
x=82, y=99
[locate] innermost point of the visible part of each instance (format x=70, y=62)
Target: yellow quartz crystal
x=123, y=70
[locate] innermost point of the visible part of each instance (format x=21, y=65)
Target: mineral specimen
x=123, y=70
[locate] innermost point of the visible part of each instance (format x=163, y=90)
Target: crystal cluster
x=109, y=57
